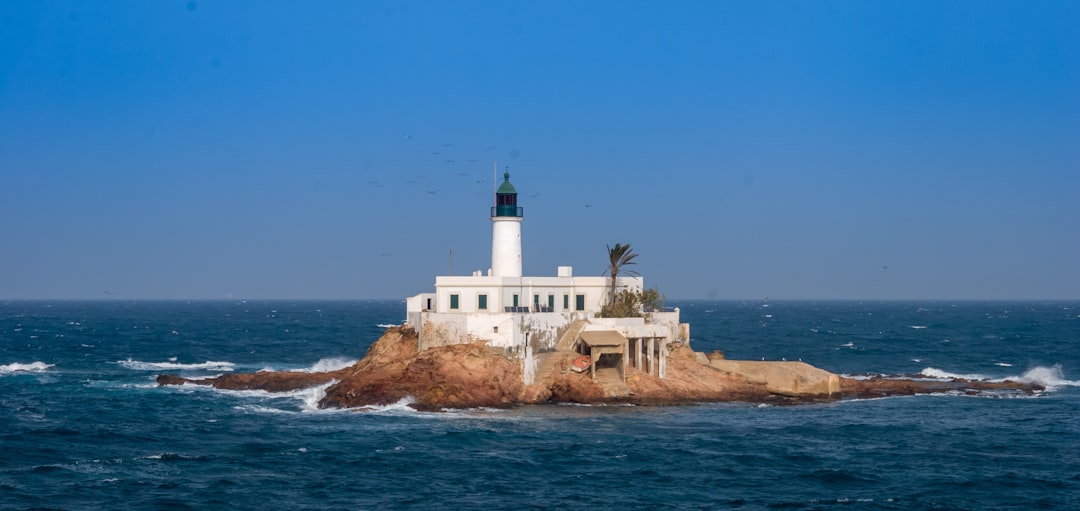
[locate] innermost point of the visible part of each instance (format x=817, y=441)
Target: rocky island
x=471, y=375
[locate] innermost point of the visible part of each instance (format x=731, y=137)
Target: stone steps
x=566, y=342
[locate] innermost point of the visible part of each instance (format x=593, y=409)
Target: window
x=515, y=301
x=481, y=302
x=536, y=299
x=551, y=303
x=579, y=301
x=566, y=302
x=495, y=330
x=454, y=302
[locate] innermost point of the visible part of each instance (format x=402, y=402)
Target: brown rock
x=471, y=375
x=879, y=386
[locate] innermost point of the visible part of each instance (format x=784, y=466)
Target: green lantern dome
x=506, y=188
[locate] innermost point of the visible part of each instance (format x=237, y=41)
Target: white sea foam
x=32, y=367
x=262, y=409
x=401, y=406
x=848, y=345
x=1049, y=377
x=385, y=325
x=329, y=364
x=918, y=327
x=1002, y=364
x=309, y=398
x=932, y=372
x=137, y=365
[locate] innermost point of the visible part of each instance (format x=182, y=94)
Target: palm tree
x=618, y=257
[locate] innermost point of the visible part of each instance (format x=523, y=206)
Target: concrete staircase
x=566, y=342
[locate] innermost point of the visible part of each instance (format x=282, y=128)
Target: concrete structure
x=793, y=379
x=527, y=316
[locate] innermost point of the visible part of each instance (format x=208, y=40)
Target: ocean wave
x=309, y=398
x=326, y=365
x=932, y=372
x=137, y=365
x=258, y=409
x=385, y=325
x=1049, y=377
x=32, y=367
x=401, y=406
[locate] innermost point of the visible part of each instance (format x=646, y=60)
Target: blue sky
x=833, y=150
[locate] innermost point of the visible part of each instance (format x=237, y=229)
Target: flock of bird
x=445, y=161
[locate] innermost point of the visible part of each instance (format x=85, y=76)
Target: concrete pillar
x=652, y=350
x=592, y=365
x=663, y=359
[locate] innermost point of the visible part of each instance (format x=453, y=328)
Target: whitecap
x=1049, y=377
x=309, y=398
x=33, y=367
x=918, y=327
x=385, y=325
x=401, y=406
x=1002, y=364
x=326, y=365
x=262, y=409
x=137, y=365
x=848, y=345
x=932, y=372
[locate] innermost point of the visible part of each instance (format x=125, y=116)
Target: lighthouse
x=506, y=231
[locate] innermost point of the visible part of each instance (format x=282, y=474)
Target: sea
x=84, y=426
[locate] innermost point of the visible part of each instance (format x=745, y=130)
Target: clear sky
x=263, y=149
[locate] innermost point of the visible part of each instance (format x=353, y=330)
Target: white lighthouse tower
x=506, y=231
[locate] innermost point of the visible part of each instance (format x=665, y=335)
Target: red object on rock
x=581, y=363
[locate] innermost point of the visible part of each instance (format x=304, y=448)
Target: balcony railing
x=506, y=211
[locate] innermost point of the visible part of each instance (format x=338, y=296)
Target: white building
x=529, y=316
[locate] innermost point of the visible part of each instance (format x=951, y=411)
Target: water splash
x=33, y=367
x=137, y=365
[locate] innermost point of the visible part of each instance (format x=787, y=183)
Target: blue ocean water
x=83, y=426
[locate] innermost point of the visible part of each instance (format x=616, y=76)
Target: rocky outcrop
x=471, y=375
x=268, y=381
x=908, y=385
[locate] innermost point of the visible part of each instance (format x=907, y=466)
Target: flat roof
x=600, y=338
